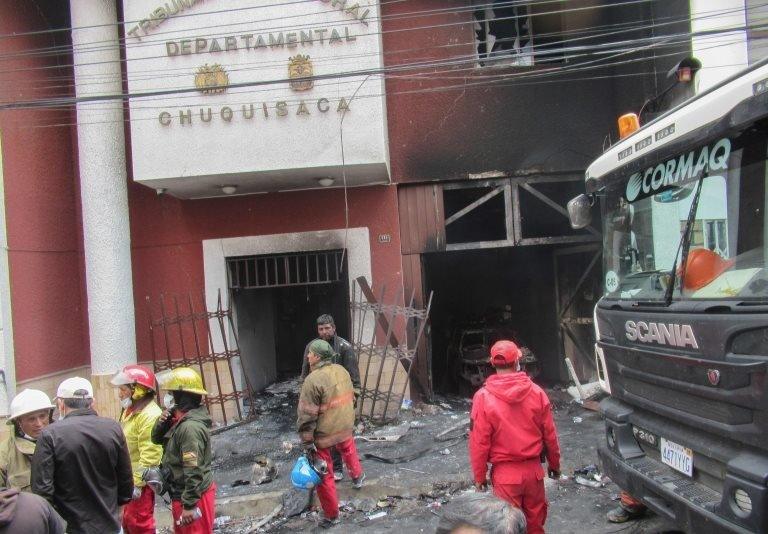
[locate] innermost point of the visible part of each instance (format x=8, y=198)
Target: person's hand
x=309, y=448
x=481, y=486
x=187, y=517
x=552, y=473
x=136, y=493
x=165, y=415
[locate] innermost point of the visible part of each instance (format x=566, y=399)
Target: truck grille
x=706, y=408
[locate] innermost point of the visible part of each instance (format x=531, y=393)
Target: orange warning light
x=628, y=124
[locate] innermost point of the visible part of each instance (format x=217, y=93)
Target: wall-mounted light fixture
x=325, y=182
x=228, y=189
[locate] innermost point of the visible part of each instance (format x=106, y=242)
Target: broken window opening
x=517, y=35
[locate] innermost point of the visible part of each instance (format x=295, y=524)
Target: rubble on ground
x=412, y=493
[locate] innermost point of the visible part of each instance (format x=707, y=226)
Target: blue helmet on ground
x=303, y=474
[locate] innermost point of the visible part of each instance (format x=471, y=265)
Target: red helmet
x=504, y=353
x=135, y=374
x=701, y=267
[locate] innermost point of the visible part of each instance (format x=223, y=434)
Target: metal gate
x=183, y=336
x=578, y=287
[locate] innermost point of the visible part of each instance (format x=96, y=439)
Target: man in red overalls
x=511, y=427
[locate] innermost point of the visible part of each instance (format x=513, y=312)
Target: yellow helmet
x=181, y=379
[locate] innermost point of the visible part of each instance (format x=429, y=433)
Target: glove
x=481, y=486
x=553, y=473
x=136, y=493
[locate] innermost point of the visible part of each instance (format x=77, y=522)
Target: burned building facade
x=273, y=153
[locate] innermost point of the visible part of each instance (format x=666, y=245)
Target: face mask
x=126, y=403
x=168, y=401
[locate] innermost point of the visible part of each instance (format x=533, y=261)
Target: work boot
x=622, y=515
x=357, y=483
x=328, y=523
x=338, y=475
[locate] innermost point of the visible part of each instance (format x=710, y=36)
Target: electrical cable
x=346, y=74
x=581, y=38
x=380, y=33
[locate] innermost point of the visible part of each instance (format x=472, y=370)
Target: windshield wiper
x=684, y=245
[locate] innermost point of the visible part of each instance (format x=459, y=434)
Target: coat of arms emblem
x=300, y=67
x=211, y=79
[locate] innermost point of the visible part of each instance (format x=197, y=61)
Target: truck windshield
x=718, y=185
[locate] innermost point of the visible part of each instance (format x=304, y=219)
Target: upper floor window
x=511, y=33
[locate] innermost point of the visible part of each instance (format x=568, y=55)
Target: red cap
x=504, y=353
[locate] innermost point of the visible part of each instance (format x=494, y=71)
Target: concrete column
x=104, y=195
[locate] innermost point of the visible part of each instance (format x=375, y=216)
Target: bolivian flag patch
x=189, y=459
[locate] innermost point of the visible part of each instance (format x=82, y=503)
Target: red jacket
x=511, y=426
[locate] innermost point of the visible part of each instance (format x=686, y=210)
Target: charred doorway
x=506, y=264
x=277, y=299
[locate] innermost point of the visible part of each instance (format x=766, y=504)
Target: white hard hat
x=75, y=388
x=28, y=401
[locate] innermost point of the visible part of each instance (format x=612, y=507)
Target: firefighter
x=184, y=431
x=136, y=390
x=31, y=412
x=511, y=428
x=346, y=357
x=326, y=420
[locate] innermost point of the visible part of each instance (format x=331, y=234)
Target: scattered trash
x=445, y=435
x=377, y=515
x=287, y=447
x=221, y=521
x=383, y=504
x=240, y=482
x=429, y=409
x=446, y=406
x=407, y=404
x=295, y=501
x=589, y=476
x=434, y=505
x=364, y=505
x=417, y=424
x=388, y=434
x=587, y=482
x=445, y=452
x=454, y=417
x=577, y=420
x=263, y=471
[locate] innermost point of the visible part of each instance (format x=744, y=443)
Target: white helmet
x=28, y=401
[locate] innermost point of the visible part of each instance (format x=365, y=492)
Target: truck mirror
x=580, y=211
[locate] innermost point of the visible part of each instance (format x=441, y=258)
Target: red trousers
x=326, y=490
x=631, y=504
x=204, y=525
x=529, y=496
x=139, y=514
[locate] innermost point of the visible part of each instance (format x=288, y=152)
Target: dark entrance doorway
x=536, y=294
x=277, y=299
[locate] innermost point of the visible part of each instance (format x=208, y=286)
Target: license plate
x=677, y=457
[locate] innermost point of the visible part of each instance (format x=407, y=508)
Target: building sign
x=252, y=94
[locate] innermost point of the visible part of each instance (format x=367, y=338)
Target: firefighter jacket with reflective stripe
x=326, y=413
x=346, y=357
x=510, y=428
x=137, y=426
x=186, y=455
x=15, y=462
